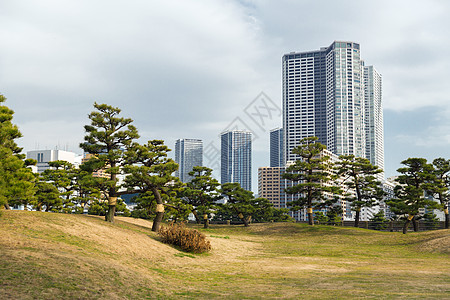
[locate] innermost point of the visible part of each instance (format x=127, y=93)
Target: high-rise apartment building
x=374, y=118
x=276, y=147
x=326, y=94
x=269, y=184
x=236, y=158
x=188, y=154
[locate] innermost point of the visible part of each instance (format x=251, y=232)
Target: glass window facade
x=329, y=93
x=188, y=154
x=236, y=158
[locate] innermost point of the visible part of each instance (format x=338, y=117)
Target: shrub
x=189, y=240
x=431, y=221
x=320, y=218
x=378, y=221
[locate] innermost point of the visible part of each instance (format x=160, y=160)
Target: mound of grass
x=60, y=256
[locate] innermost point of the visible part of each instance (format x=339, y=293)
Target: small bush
x=189, y=240
x=431, y=221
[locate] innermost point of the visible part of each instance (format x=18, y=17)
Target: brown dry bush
x=189, y=240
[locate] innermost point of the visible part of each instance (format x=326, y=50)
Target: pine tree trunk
x=447, y=219
x=405, y=226
x=310, y=219
x=157, y=221
x=357, y=216
x=109, y=217
x=241, y=216
x=415, y=225
x=7, y=206
x=159, y=210
x=205, y=221
x=112, y=201
x=310, y=216
x=197, y=219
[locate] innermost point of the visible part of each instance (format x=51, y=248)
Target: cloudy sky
x=190, y=69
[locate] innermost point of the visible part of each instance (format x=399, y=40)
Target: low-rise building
x=43, y=157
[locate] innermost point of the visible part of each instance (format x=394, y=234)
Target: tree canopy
x=16, y=181
x=107, y=138
x=150, y=170
x=312, y=176
x=201, y=193
x=415, y=180
x=358, y=175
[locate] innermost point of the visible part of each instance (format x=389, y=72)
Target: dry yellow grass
x=46, y=255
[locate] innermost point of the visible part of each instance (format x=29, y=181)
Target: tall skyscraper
x=276, y=147
x=325, y=95
x=236, y=158
x=188, y=154
x=374, y=117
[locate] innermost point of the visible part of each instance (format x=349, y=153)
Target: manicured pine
x=358, y=175
x=311, y=173
x=415, y=180
x=17, y=182
x=149, y=170
x=441, y=188
x=108, y=138
x=201, y=193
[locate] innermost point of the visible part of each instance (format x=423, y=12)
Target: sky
x=191, y=69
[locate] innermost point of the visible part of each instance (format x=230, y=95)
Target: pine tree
x=312, y=172
x=47, y=197
x=441, y=187
x=201, y=193
x=430, y=220
x=379, y=221
x=62, y=175
x=240, y=202
x=17, y=183
x=357, y=175
x=415, y=180
x=149, y=170
x=108, y=138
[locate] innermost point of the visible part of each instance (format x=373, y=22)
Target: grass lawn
x=47, y=255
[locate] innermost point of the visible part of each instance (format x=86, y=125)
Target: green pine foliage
x=100, y=208
x=430, y=221
x=108, y=137
x=363, y=190
x=150, y=171
x=311, y=175
x=320, y=218
x=379, y=221
x=416, y=179
x=441, y=186
x=334, y=213
x=17, y=183
x=47, y=198
x=201, y=193
x=240, y=202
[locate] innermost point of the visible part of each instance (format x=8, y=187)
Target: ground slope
x=47, y=255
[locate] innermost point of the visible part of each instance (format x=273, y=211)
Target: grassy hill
x=48, y=256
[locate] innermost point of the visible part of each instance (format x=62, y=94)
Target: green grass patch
x=220, y=237
x=48, y=255
x=181, y=254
